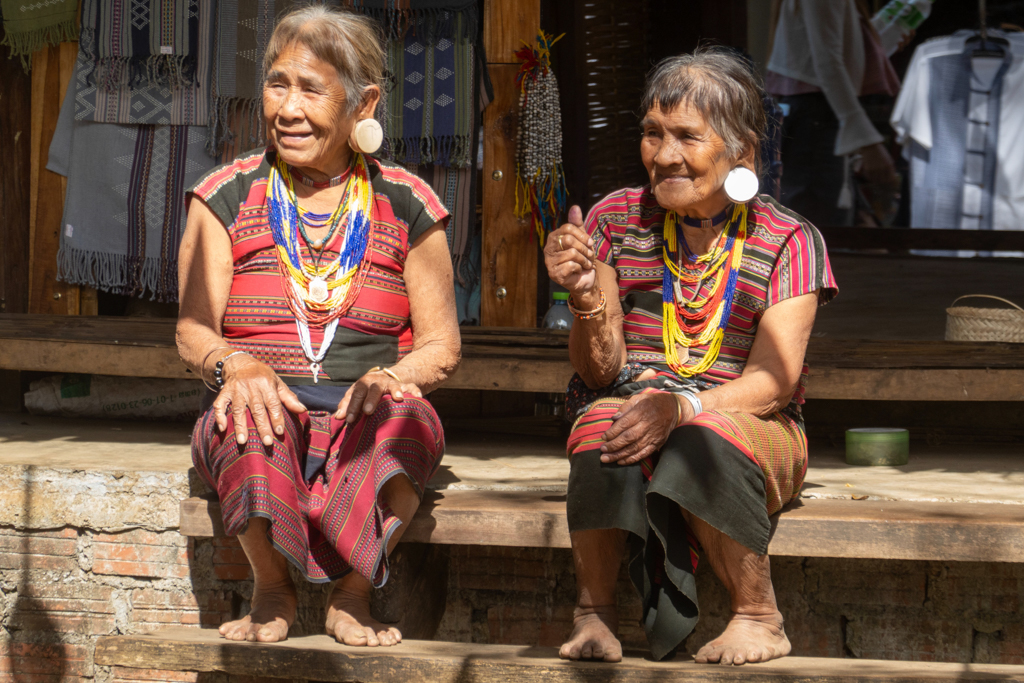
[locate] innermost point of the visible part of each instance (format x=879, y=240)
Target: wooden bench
x=538, y=360
x=320, y=658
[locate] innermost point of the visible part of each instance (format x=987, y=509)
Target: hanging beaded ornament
x=318, y=295
x=540, y=181
x=699, y=322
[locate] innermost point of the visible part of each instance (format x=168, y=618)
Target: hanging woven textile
x=31, y=26
x=540, y=181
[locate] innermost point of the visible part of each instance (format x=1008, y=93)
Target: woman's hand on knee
x=251, y=385
x=364, y=396
x=640, y=428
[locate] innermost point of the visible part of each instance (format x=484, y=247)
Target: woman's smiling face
x=304, y=107
x=686, y=160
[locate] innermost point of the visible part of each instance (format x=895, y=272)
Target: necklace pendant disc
x=683, y=353
x=318, y=290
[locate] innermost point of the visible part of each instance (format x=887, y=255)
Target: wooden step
x=320, y=658
x=538, y=360
x=893, y=530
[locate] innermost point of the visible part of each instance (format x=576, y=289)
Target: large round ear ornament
x=741, y=184
x=366, y=137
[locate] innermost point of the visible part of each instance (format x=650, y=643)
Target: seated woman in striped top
x=306, y=269
x=694, y=300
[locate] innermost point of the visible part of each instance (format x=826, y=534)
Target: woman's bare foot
x=747, y=639
x=349, y=620
x=271, y=615
x=593, y=635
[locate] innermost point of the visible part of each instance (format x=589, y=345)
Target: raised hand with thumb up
x=568, y=255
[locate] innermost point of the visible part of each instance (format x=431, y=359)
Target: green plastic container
x=877, y=446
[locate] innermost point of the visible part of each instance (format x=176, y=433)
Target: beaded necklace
x=320, y=296
x=699, y=322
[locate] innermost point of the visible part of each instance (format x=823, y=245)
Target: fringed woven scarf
x=124, y=210
x=140, y=42
x=432, y=104
x=430, y=19
x=146, y=103
x=31, y=25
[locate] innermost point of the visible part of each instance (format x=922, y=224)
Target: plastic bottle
x=558, y=316
x=897, y=19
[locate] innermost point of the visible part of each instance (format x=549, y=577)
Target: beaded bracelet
x=588, y=315
x=218, y=373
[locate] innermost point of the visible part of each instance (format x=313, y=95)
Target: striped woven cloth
x=784, y=256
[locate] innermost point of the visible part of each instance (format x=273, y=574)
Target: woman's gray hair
x=350, y=42
x=720, y=84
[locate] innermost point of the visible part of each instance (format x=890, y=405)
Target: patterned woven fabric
x=334, y=522
x=376, y=330
x=784, y=257
x=145, y=103
x=124, y=217
x=31, y=25
x=144, y=42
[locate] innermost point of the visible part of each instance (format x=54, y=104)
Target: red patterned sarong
x=335, y=522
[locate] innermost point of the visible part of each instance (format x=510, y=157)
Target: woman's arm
x=205, y=272
x=773, y=368
x=597, y=348
x=437, y=346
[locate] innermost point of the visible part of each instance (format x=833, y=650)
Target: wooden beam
x=323, y=659
x=52, y=71
x=508, y=288
x=893, y=530
x=507, y=23
x=923, y=384
x=15, y=140
x=922, y=238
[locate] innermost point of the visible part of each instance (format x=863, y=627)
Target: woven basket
x=966, y=323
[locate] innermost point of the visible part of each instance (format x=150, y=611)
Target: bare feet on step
x=348, y=616
x=747, y=639
x=271, y=615
x=593, y=635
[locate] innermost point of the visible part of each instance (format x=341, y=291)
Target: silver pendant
x=314, y=367
x=318, y=290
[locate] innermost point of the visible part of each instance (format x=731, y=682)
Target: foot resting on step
x=348, y=616
x=747, y=639
x=593, y=635
x=271, y=615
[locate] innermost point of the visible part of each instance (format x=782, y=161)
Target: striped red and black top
x=376, y=330
x=784, y=256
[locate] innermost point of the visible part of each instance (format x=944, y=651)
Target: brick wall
x=872, y=609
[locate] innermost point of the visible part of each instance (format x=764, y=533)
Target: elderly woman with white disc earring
x=694, y=300
x=317, y=303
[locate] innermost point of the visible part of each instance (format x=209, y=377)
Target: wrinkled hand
x=366, y=393
x=876, y=165
x=642, y=426
x=569, y=253
x=250, y=384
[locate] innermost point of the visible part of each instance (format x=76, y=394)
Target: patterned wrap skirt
x=731, y=470
x=319, y=483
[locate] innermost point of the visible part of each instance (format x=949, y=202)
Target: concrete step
x=321, y=658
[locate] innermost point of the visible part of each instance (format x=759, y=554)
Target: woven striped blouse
x=376, y=330
x=784, y=256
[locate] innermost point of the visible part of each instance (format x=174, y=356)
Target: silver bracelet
x=694, y=401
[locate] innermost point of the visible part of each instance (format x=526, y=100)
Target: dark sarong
x=731, y=470
x=319, y=483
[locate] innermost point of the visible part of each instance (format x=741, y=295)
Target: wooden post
x=508, y=290
x=52, y=72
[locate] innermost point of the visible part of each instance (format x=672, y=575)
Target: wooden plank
x=939, y=384
x=15, y=172
x=321, y=658
x=52, y=70
x=105, y=359
x=894, y=530
x=905, y=238
x=509, y=258
x=506, y=24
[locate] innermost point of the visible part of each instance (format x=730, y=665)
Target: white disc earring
x=366, y=137
x=741, y=184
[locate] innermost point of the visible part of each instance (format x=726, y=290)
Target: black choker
x=707, y=222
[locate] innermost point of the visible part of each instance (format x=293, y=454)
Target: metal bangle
x=694, y=401
x=387, y=371
x=202, y=366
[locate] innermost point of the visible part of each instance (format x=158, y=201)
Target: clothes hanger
x=987, y=46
